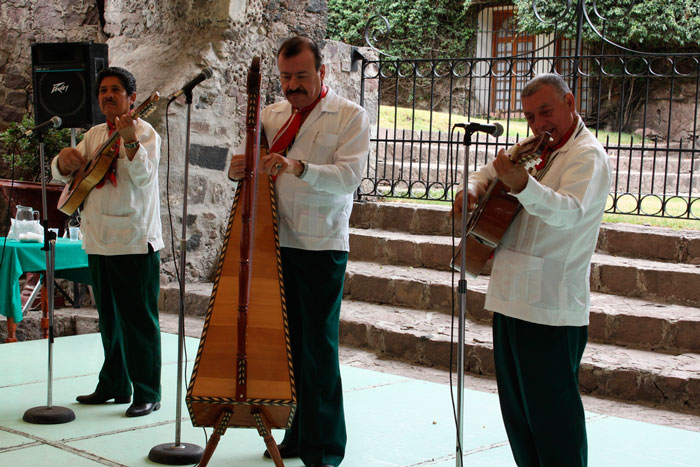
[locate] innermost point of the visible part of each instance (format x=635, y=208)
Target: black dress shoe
x=97, y=398
x=138, y=409
x=286, y=452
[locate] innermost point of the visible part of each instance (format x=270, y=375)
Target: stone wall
x=24, y=22
x=165, y=44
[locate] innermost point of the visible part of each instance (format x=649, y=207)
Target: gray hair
x=546, y=79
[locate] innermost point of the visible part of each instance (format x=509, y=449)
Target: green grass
x=417, y=120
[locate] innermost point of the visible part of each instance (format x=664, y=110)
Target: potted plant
x=20, y=169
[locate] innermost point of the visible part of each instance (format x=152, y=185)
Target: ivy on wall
x=644, y=25
x=419, y=29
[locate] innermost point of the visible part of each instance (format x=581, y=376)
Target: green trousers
x=313, y=286
x=126, y=289
x=537, y=375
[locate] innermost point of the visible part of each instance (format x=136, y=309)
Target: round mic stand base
x=176, y=454
x=48, y=414
x=45, y=415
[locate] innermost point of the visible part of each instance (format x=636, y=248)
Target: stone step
x=609, y=371
x=632, y=277
x=636, y=241
x=626, y=321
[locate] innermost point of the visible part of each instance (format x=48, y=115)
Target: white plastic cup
x=55, y=231
x=74, y=233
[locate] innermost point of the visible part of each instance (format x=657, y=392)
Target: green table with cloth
x=17, y=258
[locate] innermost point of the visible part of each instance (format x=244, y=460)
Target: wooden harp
x=242, y=375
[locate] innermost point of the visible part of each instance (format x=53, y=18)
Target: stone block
x=370, y=289
x=400, y=345
x=361, y=214
x=678, y=286
x=11, y=114
x=410, y=294
x=210, y=157
x=86, y=324
x=480, y=361
x=475, y=306
x=353, y=333
x=642, y=244
x=639, y=331
x=363, y=248
x=432, y=222
x=688, y=336
x=437, y=353
x=620, y=280
x=375, y=339
x=692, y=249
x=658, y=390
x=693, y=388
x=397, y=218
x=598, y=326
x=587, y=381
x=401, y=252
x=622, y=383
x=16, y=99
x=435, y=256
x=440, y=297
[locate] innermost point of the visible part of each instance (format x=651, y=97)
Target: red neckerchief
x=562, y=142
x=111, y=173
x=285, y=136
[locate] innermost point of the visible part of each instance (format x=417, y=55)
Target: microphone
x=53, y=122
x=205, y=74
x=494, y=129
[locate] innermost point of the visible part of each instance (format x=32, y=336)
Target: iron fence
x=642, y=107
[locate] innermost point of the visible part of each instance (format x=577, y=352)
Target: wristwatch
x=132, y=145
x=304, y=166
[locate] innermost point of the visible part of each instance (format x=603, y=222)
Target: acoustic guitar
x=496, y=209
x=85, y=179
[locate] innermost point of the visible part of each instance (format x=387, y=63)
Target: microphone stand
x=180, y=453
x=48, y=414
x=462, y=291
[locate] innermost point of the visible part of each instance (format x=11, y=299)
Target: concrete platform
x=393, y=420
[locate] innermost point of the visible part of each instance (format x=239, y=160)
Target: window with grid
x=566, y=49
x=509, y=74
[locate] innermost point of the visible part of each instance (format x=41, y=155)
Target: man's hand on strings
x=236, y=170
x=126, y=126
x=514, y=176
x=276, y=164
x=271, y=163
x=473, y=193
x=70, y=160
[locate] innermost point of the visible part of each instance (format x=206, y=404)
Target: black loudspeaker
x=64, y=76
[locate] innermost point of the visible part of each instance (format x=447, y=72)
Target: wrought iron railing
x=643, y=108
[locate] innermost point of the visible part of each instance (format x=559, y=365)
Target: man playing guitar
x=122, y=235
x=539, y=285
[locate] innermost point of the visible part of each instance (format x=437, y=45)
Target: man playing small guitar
x=122, y=235
x=539, y=284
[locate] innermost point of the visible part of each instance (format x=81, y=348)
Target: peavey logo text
x=61, y=87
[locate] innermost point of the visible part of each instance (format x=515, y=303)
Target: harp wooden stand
x=242, y=375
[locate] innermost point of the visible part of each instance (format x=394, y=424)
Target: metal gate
x=643, y=108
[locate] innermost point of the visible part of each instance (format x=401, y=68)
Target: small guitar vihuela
x=85, y=179
x=496, y=209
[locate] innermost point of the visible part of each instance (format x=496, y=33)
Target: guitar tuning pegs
x=532, y=162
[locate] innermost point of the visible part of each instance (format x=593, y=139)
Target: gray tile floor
x=392, y=420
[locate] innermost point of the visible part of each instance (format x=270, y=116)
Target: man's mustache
x=295, y=91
